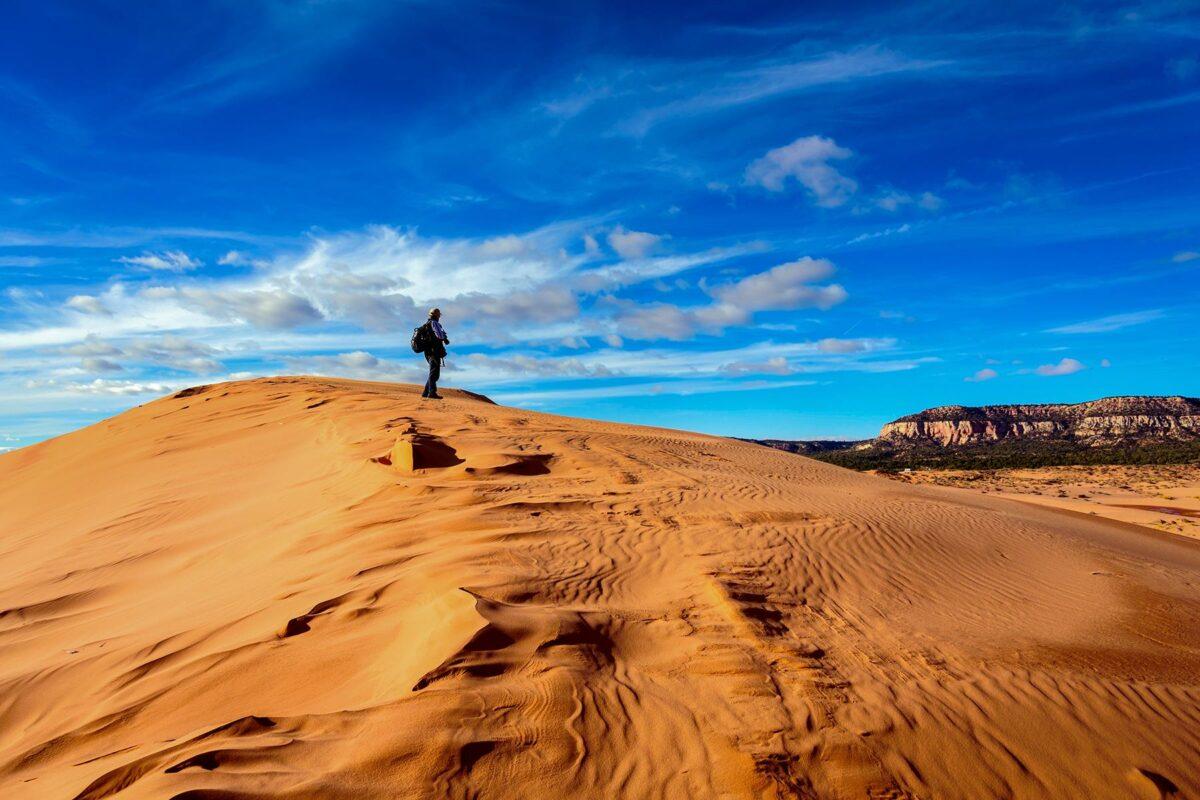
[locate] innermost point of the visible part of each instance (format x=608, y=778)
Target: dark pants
x=435, y=372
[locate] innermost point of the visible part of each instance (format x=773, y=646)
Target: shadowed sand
x=234, y=593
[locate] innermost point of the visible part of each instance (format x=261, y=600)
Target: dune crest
x=235, y=593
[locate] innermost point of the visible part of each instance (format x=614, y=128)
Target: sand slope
x=1165, y=497
x=229, y=595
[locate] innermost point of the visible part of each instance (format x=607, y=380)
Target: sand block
x=403, y=455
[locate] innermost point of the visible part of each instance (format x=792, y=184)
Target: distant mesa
x=1113, y=430
x=1098, y=422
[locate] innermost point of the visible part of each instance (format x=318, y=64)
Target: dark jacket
x=437, y=347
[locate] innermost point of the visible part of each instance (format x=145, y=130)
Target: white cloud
x=895, y=199
x=807, y=161
x=87, y=304
x=719, y=316
x=1067, y=366
x=786, y=286
x=175, y=352
x=526, y=365
x=97, y=364
x=772, y=366
x=632, y=244
x=357, y=364
x=92, y=346
x=119, y=313
x=25, y=261
x=893, y=231
x=433, y=270
x=358, y=360
x=1110, y=323
x=614, y=276
x=236, y=258
x=843, y=346
x=656, y=321
x=103, y=386
x=500, y=247
x=268, y=308
x=544, y=304
x=169, y=351
x=170, y=261
x=673, y=387
x=1185, y=256
x=1105, y=363
x=801, y=356
x=982, y=375
x=930, y=202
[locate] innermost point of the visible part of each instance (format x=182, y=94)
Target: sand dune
x=1165, y=497
x=233, y=594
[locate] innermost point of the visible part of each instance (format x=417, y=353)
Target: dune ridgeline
x=243, y=591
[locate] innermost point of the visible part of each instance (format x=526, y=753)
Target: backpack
x=422, y=338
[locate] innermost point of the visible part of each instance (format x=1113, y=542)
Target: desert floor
x=1164, y=497
x=241, y=592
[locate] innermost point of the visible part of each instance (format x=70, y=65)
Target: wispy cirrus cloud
x=276, y=44
x=1113, y=322
x=687, y=387
x=777, y=365
x=732, y=84
x=167, y=261
x=26, y=261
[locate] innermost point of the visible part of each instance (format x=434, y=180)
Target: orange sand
x=232, y=595
x=1165, y=497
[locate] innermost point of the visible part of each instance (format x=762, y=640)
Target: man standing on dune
x=438, y=340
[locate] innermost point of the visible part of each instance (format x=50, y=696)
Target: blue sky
x=755, y=219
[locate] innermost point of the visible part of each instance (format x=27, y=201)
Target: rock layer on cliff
x=1114, y=430
x=1098, y=422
